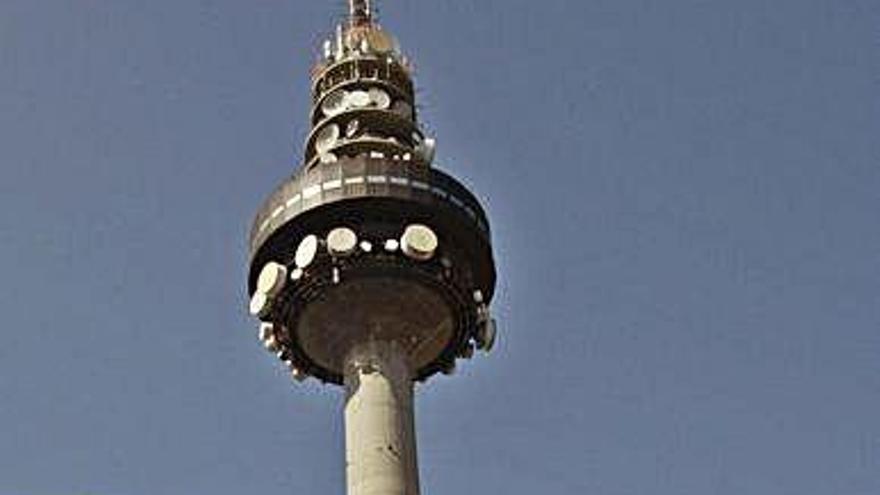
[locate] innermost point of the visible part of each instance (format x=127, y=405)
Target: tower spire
x=360, y=12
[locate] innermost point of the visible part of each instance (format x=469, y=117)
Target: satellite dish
x=380, y=98
x=271, y=344
x=357, y=99
x=403, y=109
x=427, y=149
x=419, y=242
x=266, y=330
x=259, y=304
x=341, y=241
x=478, y=296
x=352, y=128
x=272, y=278
x=487, y=334
x=297, y=374
x=334, y=103
x=306, y=251
x=326, y=138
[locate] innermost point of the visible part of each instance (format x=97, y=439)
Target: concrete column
x=380, y=442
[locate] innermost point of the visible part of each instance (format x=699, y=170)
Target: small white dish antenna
x=427, y=149
x=266, y=330
x=380, y=98
x=272, y=279
x=478, y=296
x=259, y=304
x=306, y=251
x=271, y=344
x=297, y=374
x=357, y=99
x=341, y=241
x=334, y=103
x=419, y=242
x=352, y=128
x=326, y=138
x=488, y=334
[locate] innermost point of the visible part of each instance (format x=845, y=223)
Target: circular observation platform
x=371, y=249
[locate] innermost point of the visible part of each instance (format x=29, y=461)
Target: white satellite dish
x=357, y=99
x=326, y=138
x=488, y=333
x=419, y=242
x=271, y=344
x=341, y=241
x=478, y=296
x=334, y=103
x=259, y=304
x=380, y=98
x=306, y=251
x=266, y=330
x=427, y=149
x=352, y=128
x=272, y=278
x=297, y=374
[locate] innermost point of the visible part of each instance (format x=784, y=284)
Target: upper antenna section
x=360, y=12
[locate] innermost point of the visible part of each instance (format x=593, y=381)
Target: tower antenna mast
x=360, y=12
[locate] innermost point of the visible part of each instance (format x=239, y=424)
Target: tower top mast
x=360, y=12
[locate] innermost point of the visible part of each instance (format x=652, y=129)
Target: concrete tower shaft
x=380, y=439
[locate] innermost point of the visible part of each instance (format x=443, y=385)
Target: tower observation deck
x=370, y=268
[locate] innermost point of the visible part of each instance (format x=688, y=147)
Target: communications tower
x=370, y=268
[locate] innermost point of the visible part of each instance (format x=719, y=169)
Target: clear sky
x=684, y=195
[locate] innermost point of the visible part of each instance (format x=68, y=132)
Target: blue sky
x=684, y=196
